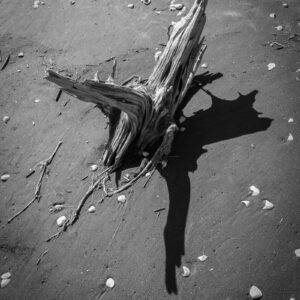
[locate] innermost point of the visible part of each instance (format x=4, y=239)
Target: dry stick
x=37, y=193
x=41, y=256
x=5, y=63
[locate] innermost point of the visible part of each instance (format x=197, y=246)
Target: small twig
x=37, y=193
x=159, y=209
x=31, y=171
x=41, y=256
x=58, y=95
x=5, y=63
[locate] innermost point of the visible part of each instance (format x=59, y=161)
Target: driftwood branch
x=141, y=112
x=37, y=193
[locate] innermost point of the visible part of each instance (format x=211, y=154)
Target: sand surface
x=235, y=136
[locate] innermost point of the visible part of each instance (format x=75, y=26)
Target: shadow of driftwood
x=224, y=120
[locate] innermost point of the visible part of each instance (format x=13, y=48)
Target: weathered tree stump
x=141, y=112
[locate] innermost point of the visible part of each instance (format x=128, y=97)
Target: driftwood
x=141, y=113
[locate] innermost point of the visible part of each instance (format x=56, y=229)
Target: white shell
x=297, y=252
x=186, y=271
x=5, y=177
x=246, y=202
x=121, y=198
x=37, y=100
x=6, y=119
x=61, y=220
x=204, y=66
x=110, y=283
x=271, y=66
x=92, y=209
x=203, y=257
x=273, y=16
x=178, y=6
x=4, y=282
x=130, y=5
x=21, y=54
x=290, y=138
x=268, y=205
x=6, y=275
x=157, y=55
x=147, y=174
x=285, y=5
x=94, y=168
x=291, y=120
x=255, y=292
x=279, y=27
x=255, y=191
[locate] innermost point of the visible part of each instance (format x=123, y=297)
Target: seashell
x=290, y=138
x=204, y=66
x=268, y=205
x=72, y=2
x=272, y=15
x=61, y=220
x=5, y=177
x=121, y=198
x=6, y=275
x=271, y=66
x=146, y=2
x=33, y=123
x=18, y=70
x=178, y=6
x=203, y=257
x=6, y=119
x=37, y=100
x=246, y=202
x=279, y=27
x=56, y=208
x=186, y=271
x=21, y=54
x=297, y=252
x=147, y=174
x=92, y=209
x=94, y=168
x=285, y=5
x=255, y=191
x=255, y=292
x=130, y=5
x=110, y=283
x=5, y=282
x=291, y=120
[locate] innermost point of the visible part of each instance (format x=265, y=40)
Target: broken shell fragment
x=4, y=282
x=246, y=202
x=272, y=15
x=203, y=257
x=130, y=5
x=268, y=205
x=279, y=27
x=6, y=275
x=147, y=174
x=297, y=252
x=255, y=191
x=110, y=283
x=6, y=119
x=271, y=66
x=5, y=177
x=291, y=120
x=21, y=54
x=285, y=5
x=56, y=208
x=255, y=292
x=92, y=209
x=37, y=100
x=146, y=2
x=94, y=168
x=204, y=66
x=61, y=220
x=186, y=271
x=290, y=138
x=121, y=198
